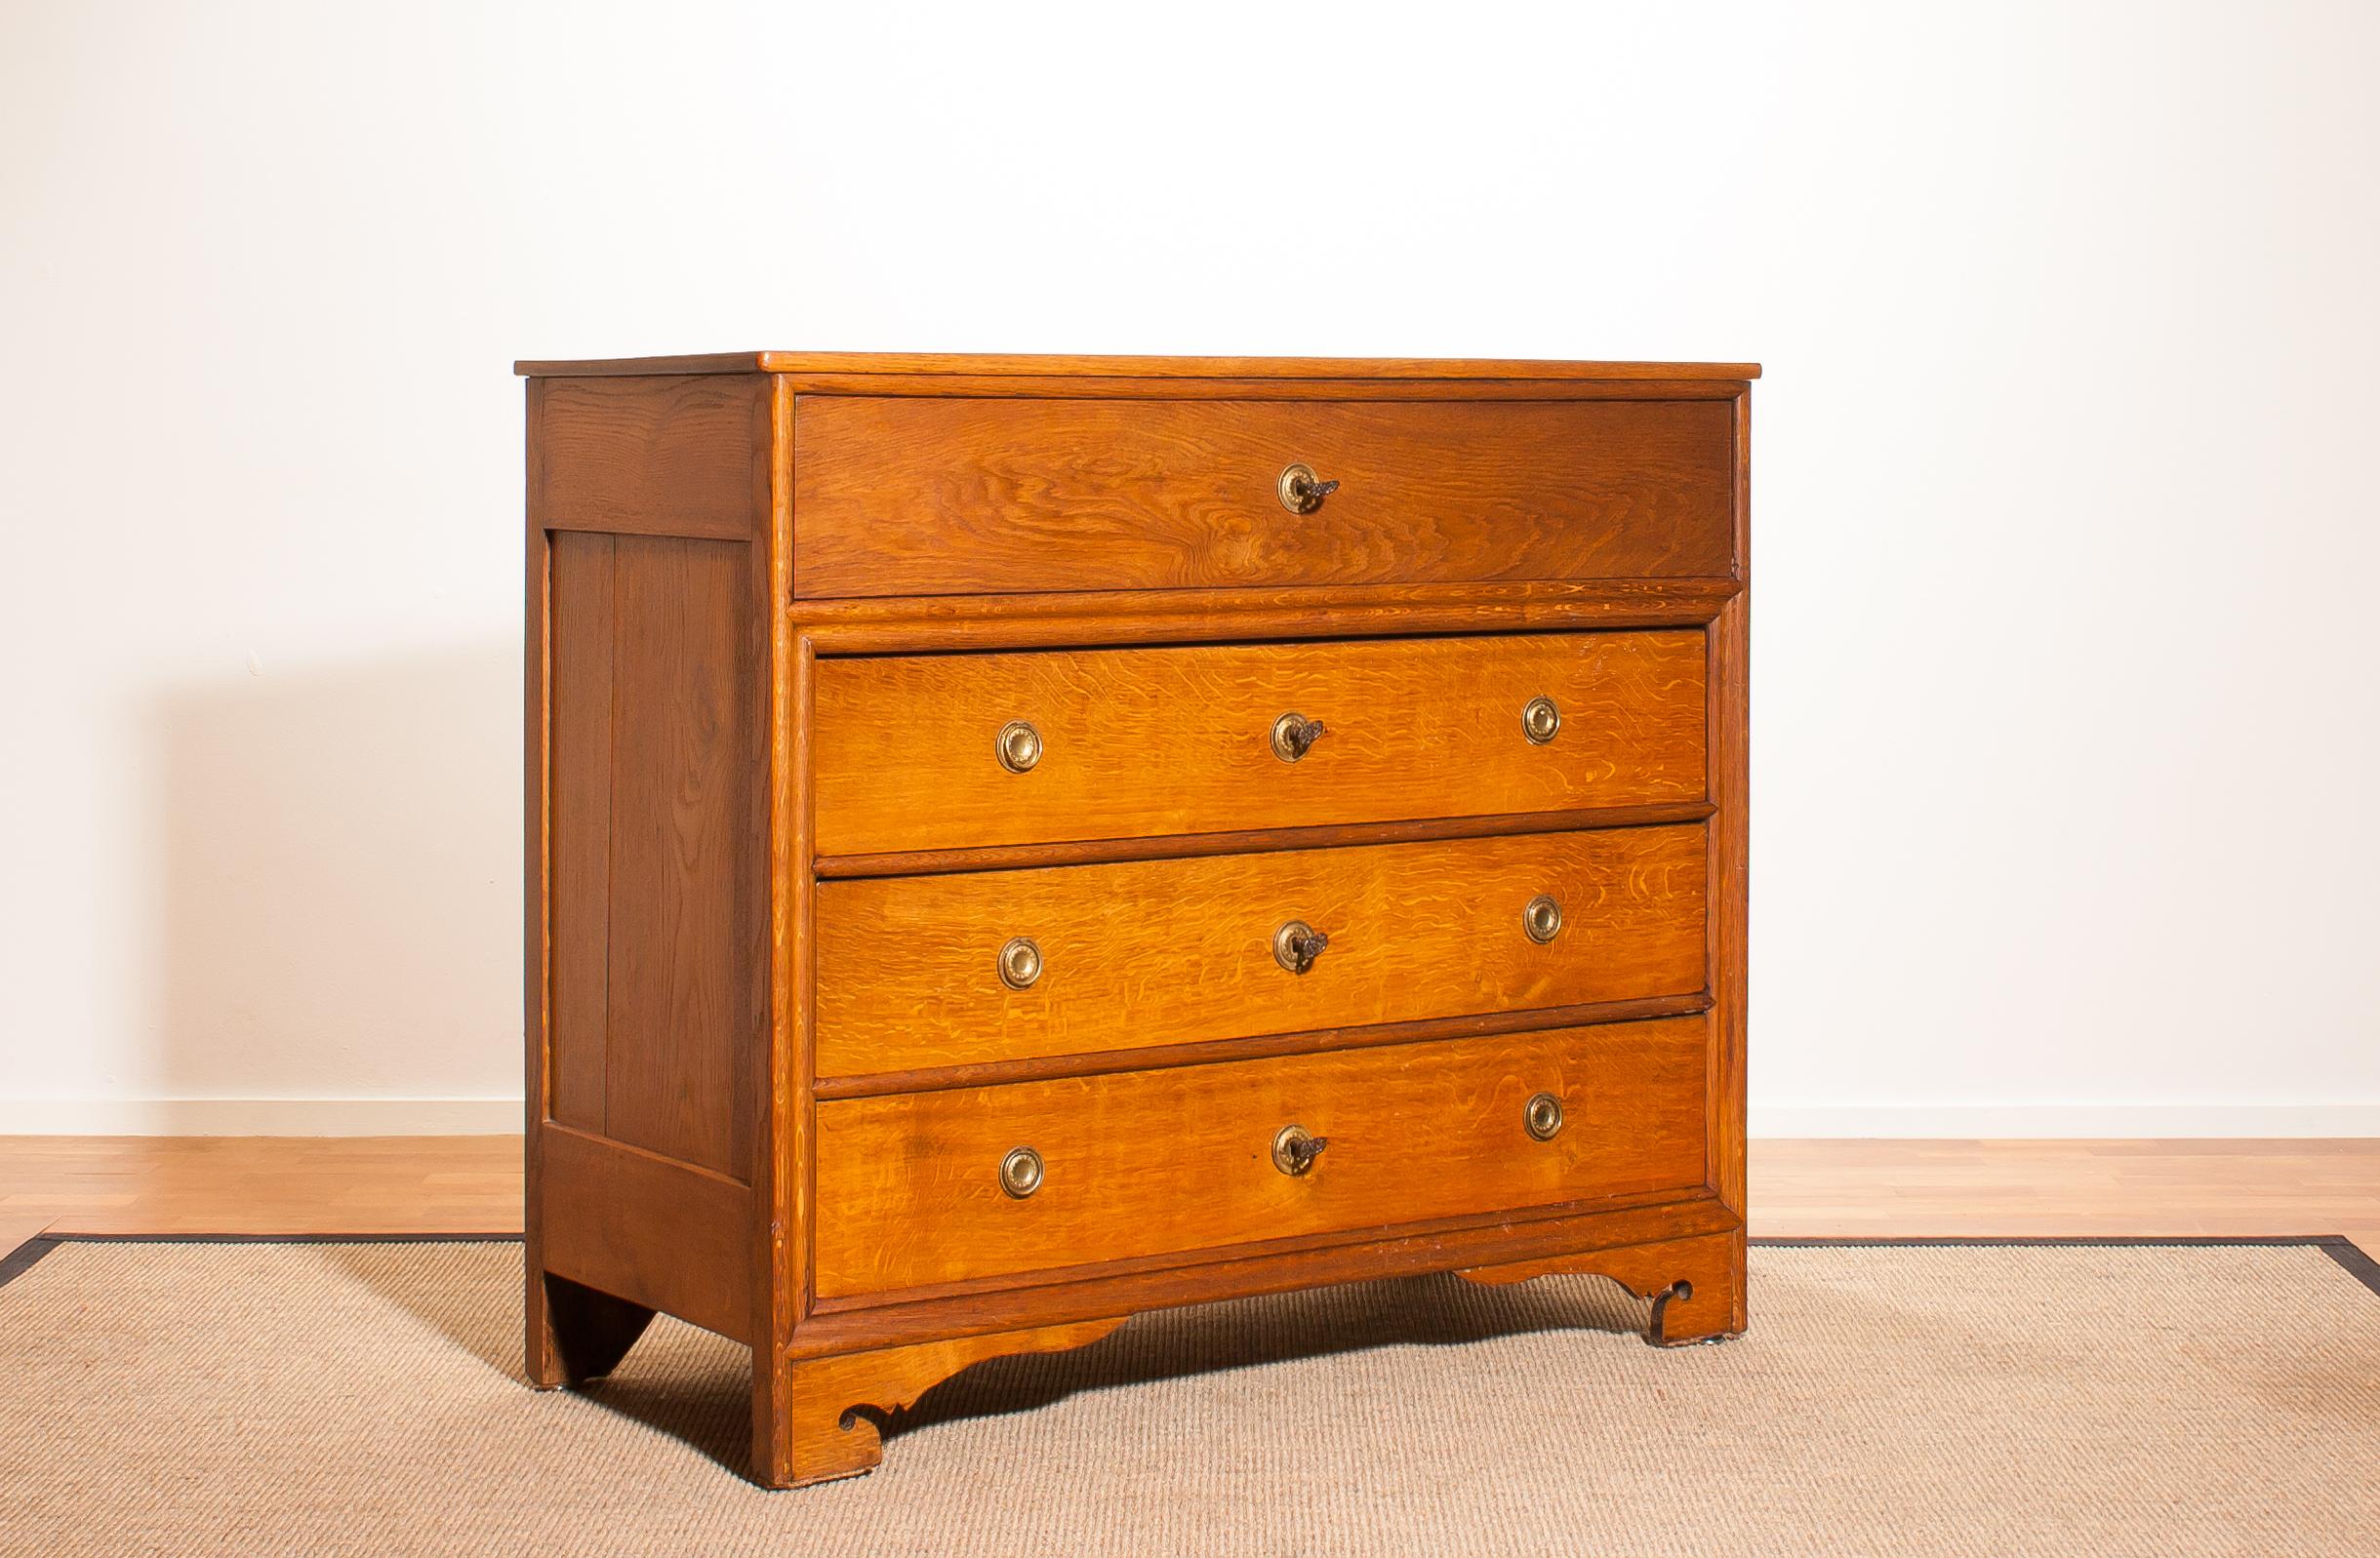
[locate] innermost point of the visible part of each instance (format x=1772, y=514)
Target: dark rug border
x=18, y=1261
x=2345, y=1252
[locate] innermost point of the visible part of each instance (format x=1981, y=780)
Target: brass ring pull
x=1294, y=736
x=1020, y=1172
x=1539, y=719
x=1021, y=963
x=1017, y=747
x=1301, y=491
x=1297, y=944
x=1295, y=1148
x=1542, y=919
x=1542, y=1117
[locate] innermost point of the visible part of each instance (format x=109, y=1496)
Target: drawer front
x=936, y=496
x=1132, y=744
x=911, y=969
x=1158, y=1163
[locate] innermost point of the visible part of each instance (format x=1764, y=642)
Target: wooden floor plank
x=264, y=1185
x=1799, y=1189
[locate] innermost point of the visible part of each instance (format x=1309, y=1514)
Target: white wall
x=2064, y=673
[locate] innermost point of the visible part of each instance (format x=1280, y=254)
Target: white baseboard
x=502, y=1116
x=2042, y=1121
x=259, y=1116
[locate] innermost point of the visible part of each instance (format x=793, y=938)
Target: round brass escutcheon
x=1021, y=963
x=1294, y=736
x=1019, y=747
x=1542, y=919
x=1542, y=1117
x=1297, y=944
x=1020, y=1172
x=1540, y=718
x=1301, y=491
x=1295, y=1148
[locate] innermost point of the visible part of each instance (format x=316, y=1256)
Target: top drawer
x=912, y=496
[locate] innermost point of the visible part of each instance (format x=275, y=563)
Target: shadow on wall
x=342, y=892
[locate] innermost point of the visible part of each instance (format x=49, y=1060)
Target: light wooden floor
x=472, y=1185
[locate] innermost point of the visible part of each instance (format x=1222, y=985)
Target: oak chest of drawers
x=1014, y=842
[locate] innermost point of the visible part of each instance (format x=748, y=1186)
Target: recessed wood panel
x=1137, y=743
x=1161, y=1162
x=689, y=915
x=1176, y=951
x=579, y=807
x=914, y=495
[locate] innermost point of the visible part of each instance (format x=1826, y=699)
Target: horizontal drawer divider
x=1684, y=589
x=1052, y=619
x=1162, y=1056
x=1185, y=846
x=1696, y=1209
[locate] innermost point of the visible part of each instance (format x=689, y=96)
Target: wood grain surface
x=933, y=624
x=1696, y=1284
x=689, y=925
x=780, y=1059
x=1249, y=841
x=779, y=607
x=580, y=840
x=909, y=495
x=648, y=1228
x=1179, y=1160
x=1138, y=742
x=1312, y=1041
x=826, y=1439
x=656, y=457
x=1729, y=639
x=1067, y=1293
x=1158, y=953
x=542, y=1358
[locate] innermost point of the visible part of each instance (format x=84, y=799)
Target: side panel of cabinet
x=649, y=923
x=688, y=916
x=659, y=921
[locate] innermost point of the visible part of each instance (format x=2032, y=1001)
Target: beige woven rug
x=365, y=1398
